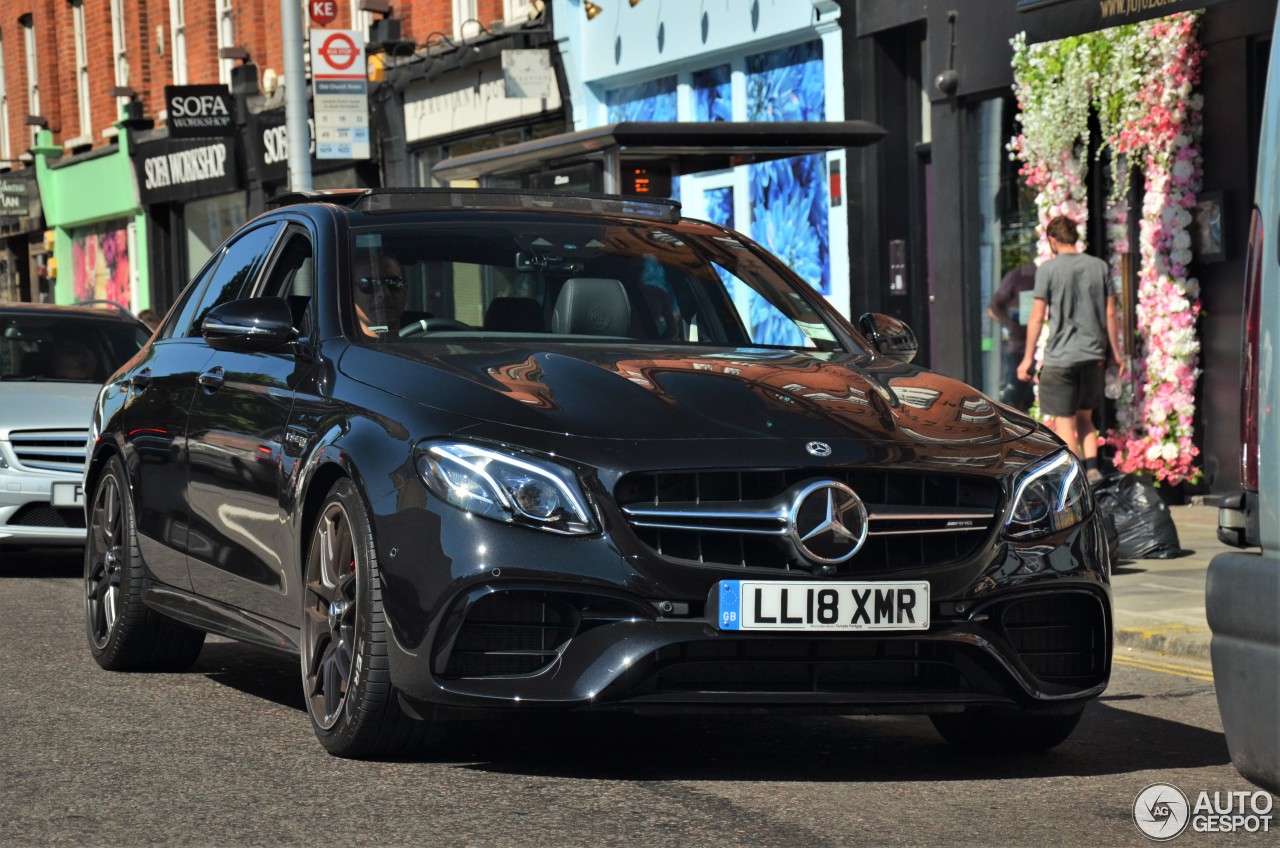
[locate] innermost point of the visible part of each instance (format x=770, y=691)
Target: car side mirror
x=251, y=325
x=889, y=336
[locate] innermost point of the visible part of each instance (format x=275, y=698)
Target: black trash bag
x=1143, y=526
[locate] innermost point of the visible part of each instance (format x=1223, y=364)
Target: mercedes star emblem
x=818, y=448
x=828, y=521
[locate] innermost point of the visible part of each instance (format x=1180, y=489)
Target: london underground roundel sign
x=339, y=51
x=323, y=12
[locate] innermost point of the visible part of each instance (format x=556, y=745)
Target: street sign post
x=341, y=90
x=323, y=12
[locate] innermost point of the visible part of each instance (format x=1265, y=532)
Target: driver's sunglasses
x=366, y=284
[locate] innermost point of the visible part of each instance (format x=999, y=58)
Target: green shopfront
x=91, y=205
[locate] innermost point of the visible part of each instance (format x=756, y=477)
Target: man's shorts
x=1064, y=390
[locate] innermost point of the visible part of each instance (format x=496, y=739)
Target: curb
x=1179, y=640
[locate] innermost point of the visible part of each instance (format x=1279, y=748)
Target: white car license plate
x=782, y=605
x=68, y=494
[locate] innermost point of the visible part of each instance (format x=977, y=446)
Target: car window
x=575, y=280
x=65, y=347
x=184, y=309
x=293, y=276
x=236, y=273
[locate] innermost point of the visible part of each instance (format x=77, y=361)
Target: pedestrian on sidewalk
x=1071, y=290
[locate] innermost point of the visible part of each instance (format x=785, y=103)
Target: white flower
x=1153, y=453
x=1182, y=217
x=1182, y=256
x=1182, y=240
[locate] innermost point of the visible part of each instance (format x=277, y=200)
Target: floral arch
x=1139, y=81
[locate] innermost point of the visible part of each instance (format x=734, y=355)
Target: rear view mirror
x=889, y=336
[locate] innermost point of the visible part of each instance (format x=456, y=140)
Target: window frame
x=84, y=103
x=178, y=41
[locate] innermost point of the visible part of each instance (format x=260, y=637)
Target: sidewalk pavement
x=1159, y=603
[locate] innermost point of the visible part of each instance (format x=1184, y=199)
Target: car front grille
x=1060, y=638
x=805, y=665
x=519, y=633
x=738, y=518
x=50, y=450
x=45, y=515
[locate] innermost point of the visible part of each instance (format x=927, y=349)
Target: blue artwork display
x=713, y=94
x=789, y=203
x=654, y=100
x=766, y=324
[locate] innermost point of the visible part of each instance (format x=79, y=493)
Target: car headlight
x=517, y=489
x=1049, y=496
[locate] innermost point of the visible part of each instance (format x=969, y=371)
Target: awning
x=687, y=147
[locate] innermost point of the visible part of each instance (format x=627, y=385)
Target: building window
x=33, y=78
x=360, y=20
x=226, y=38
x=519, y=11
x=119, y=49
x=5, y=150
x=82, y=70
x=463, y=11
x=178, y=26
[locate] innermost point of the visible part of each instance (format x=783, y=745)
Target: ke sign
x=323, y=12
x=199, y=111
x=341, y=90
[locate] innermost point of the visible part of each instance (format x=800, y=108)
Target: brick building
x=73, y=68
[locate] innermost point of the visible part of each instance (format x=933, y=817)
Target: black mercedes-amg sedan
x=517, y=451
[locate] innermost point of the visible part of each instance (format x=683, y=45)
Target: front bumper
x=27, y=516
x=609, y=629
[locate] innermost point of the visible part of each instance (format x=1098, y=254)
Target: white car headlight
x=517, y=489
x=1048, y=496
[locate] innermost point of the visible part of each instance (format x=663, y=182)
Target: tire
x=125, y=634
x=355, y=711
x=990, y=729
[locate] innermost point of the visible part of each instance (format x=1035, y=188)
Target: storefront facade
x=23, y=256
x=694, y=63
x=99, y=229
x=982, y=212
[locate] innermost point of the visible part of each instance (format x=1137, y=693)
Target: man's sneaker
x=1093, y=475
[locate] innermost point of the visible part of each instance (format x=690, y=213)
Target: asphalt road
x=224, y=755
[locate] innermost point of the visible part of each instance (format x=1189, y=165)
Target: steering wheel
x=431, y=325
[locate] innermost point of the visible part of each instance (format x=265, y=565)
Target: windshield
x=575, y=281
x=65, y=347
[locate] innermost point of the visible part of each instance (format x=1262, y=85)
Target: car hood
x=46, y=406
x=642, y=392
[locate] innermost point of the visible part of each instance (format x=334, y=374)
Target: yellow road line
x=1194, y=672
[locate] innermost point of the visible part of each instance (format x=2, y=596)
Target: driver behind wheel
x=379, y=293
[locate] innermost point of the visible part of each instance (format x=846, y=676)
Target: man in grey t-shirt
x=1072, y=288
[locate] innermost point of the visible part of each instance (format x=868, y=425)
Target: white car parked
x=53, y=360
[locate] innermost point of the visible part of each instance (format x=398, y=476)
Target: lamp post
x=295, y=104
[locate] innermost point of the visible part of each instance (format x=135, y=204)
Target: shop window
x=210, y=221
x=713, y=94
x=654, y=100
x=789, y=202
x=100, y=263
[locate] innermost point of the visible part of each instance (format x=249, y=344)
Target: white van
x=1243, y=592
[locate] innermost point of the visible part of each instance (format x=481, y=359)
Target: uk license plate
x=67, y=494
x=846, y=605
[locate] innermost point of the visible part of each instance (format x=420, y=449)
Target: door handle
x=138, y=381
x=211, y=379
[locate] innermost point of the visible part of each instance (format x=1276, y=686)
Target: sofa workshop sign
x=183, y=170
x=199, y=111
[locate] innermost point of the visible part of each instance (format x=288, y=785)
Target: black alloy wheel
x=354, y=709
x=125, y=634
